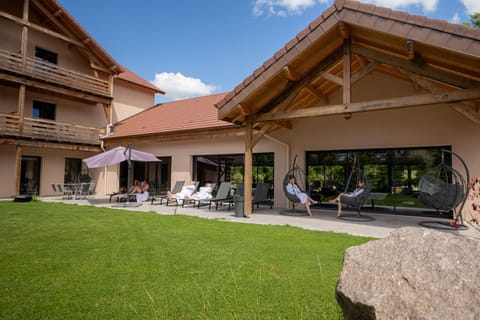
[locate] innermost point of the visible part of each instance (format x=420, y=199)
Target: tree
x=474, y=20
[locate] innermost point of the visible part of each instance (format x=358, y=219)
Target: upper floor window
x=43, y=110
x=46, y=55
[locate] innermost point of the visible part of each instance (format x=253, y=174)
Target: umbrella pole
x=129, y=178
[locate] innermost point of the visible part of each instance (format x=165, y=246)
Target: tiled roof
x=454, y=37
x=172, y=117
x=132, y=77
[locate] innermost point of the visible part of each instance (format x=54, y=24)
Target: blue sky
x=198, y=47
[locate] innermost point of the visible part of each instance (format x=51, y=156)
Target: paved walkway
x=322, y=219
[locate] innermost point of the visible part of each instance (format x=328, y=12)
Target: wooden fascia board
x=49, y=145
x=394, y=103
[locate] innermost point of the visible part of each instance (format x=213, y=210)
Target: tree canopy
x=474, y=20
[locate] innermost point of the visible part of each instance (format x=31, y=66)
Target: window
x=43, y=110
x=73, y=169
x=395, y=172
x=46, y=55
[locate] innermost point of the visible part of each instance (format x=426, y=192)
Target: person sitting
x=139, y=187
x=348, y=198
x=204, y=193
x=187, y=190
x=304, y=198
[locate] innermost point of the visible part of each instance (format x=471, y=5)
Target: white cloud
x=177, y=86
x=282, y=8
x=473, y=6
x=455, y=18
x=426, y=5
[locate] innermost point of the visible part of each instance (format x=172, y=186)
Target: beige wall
x=51, y=171
x=182, y=153
x=129, y=99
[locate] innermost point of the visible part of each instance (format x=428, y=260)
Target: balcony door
x=43, y=110
x=30, y=175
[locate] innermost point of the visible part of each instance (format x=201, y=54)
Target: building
x=60, y=91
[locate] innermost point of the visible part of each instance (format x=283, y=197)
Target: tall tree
x=474, y=20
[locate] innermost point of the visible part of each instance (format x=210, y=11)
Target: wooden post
x=23, y=49
x=21, y=108
x=18, y=169
x=347, y=72
x=248, y=172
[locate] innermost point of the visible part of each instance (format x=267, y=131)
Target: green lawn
x=76, y=262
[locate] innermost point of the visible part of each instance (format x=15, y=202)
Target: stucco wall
x=129, y=99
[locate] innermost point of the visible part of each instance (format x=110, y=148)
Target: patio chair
x=176, y=189
x=260, y=196
x=222, y=196
x=66, y=192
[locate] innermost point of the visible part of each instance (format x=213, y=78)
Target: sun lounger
x=176, y=189
x=180, y=200
x=223, y=196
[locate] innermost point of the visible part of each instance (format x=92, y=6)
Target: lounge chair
x=260, y=196
x=176, y=189
x=66, y=192
x=222, y=196
x=196, y=201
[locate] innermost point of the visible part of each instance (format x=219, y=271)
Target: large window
x=395, y=172
x=217, y=168
x=30, y=175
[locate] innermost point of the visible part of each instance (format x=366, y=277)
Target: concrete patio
x=322, y=219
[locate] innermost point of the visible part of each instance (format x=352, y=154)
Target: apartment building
x=57, y=96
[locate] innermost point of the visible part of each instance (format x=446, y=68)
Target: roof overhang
x=346, y=43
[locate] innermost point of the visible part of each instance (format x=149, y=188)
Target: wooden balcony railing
x=42, y=70
x=48, y=130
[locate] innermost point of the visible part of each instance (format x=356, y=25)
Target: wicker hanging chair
x=445, y=188
x=300, y=180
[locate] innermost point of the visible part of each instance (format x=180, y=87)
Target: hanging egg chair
x=357, y=174
x=301, y=181
x=445, y=188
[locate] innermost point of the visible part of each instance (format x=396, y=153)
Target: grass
x=77, y=262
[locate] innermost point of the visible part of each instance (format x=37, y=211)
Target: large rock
x=415, y=273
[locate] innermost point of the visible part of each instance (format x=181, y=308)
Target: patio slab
x=322, y=219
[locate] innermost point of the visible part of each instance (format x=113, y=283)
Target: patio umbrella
x=117, y=155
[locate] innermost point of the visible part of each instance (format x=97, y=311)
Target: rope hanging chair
x=445, y=188
x=301, y=181
x=357, y=174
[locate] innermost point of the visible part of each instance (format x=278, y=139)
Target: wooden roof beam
x=317, y=93
x=394, y=103
x=344, y=30
x=423, y=70
x=411, y=50
x=331, y=77
x=363, y=72
x=291, y=74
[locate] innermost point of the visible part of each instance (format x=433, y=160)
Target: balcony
x=48, y=130
x=40, y=70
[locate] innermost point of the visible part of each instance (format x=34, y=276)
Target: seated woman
x=139, y=187
x=304, y=198
x=348, y=198
x=205, y=193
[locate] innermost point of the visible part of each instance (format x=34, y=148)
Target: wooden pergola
x=346, y=43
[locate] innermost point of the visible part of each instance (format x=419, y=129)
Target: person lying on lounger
x=204, y=193
x=348, y=198
x=187, y=190
x=139, y=187
x=304, y=198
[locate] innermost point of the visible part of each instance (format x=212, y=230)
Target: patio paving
x=322, y=219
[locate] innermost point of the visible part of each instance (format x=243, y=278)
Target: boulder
x=415, y=273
